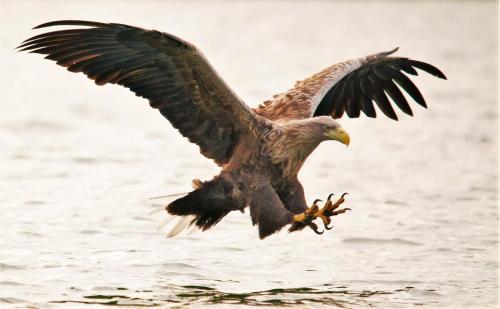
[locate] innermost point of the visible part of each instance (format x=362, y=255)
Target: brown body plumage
x=260, y=150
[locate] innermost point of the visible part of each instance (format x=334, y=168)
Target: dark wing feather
x=171, y=73
x=365, y=98
x=377, y=77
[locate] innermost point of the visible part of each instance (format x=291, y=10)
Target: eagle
x=260, y=150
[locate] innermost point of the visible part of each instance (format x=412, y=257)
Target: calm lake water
x=78, y=163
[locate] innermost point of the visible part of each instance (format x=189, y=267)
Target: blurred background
x=78, y=162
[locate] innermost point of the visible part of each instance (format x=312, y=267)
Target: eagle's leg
x=330, y=210
x=306, y=219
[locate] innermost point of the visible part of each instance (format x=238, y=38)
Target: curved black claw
x=328, y=227
x=329, y=197
x=314, y=227
x=317, y=200
x=344, y=194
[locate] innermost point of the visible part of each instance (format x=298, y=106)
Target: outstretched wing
x=171, y=73
x=351, y=87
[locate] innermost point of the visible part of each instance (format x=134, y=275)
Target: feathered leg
x=268, y=211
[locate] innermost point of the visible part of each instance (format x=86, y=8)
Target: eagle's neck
x=291, y=145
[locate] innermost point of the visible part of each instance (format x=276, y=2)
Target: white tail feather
x=192, y=229
x=165, y=222
x=167, y=196
x=182, y=222
x=163, y=200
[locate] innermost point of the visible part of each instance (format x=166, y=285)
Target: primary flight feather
x=260, y=150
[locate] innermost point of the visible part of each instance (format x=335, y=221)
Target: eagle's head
x=326, y=128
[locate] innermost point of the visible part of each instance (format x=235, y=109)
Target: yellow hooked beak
x=340, y=135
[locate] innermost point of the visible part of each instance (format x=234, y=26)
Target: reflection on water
x=77, y=163
x=339, y=296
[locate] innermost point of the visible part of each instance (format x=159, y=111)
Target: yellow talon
x=325, y=213
x=307, y=217
x=326, y=220
x=309, y=214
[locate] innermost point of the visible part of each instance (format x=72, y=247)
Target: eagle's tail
x=207, y=204
x=174, y=224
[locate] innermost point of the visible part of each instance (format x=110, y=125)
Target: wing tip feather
x=429, y=68
x=70, y=22
x=381, y=54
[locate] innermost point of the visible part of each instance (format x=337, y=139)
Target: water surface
x=78, y=163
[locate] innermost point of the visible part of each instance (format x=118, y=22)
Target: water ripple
x=380, y=241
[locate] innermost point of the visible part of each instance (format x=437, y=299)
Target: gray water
x=78, y=162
